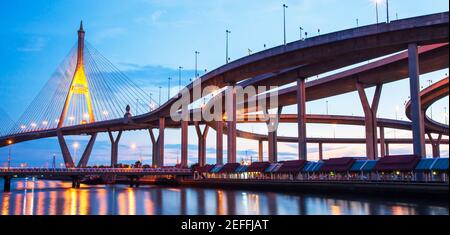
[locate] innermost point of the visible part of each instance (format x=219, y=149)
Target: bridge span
x=410, y=47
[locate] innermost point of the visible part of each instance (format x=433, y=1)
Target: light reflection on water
x=39, y=197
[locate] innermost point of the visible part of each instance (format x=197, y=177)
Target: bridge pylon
x=79, y=84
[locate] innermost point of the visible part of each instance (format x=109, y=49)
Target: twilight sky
x=150, y=39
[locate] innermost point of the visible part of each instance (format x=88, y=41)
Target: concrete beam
x=68, y=161
x=231, y=122
x=436, y=145
x=87, y=152
x=184, y=143
x=370, y=113
x=201, y=143
x=219, y=142
x=320, y=151
x=418, y=128
x=273, y=137
x=260, y=151
x=114, y=147
x=162, y=127
x=154, y=148
x=301, y=119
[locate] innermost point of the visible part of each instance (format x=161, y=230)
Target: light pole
x=75, y=148
x=196, y=63
x=168, y=88
x=179, y=77
x=284, y=21
x=159, y=104
x=387, y=11
x=301, y=35
x=318, y=31
x=357, y=22
x=227, y=59
x=376, y=8
x=327, y=107
x=9, y=153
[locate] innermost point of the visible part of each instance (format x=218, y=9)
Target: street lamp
x=357, y=22
x=179, y=77
x=75, y=146
x=10, y=142
x=284, y=21
x=301, y=35
x=168, y=89
x=327, y=107
x=196, y=63
x=376, y=7
x=159, y=104
x=387, y=11
x=227, y=59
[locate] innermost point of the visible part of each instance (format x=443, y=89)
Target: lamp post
x=168, y=88
x=327, y=107
x=159, y=102
x=284, y=21
x=179, y=77
x=227, y=59
x=301, y=35
x=54, y=162
x=196, y=63
x=376, y=8
x=357, y=22
x=9, y=153
x=387, y=11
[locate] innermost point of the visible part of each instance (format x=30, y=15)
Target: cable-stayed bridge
x=88, y=95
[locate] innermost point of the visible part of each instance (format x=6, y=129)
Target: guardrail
x=93, y=170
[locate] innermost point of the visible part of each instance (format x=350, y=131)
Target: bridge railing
x=94, y=170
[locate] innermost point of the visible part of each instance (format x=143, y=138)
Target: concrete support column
x=154, y=148
x=87, y=152
x=320, y=151
x=68, y=161
x=260, y=151
x=370, y=113
x=7, y=184
x=301, y=119
x=273, y=144
x=382, y=143
x=184, y=143
x=162, y=127
x=387, y=149
x=201, y=143
x=219, y=142
x=435, y=144
x=418, y=128
x=273, y=137
x=76, y=183
x=231, y=122
x=114, y=147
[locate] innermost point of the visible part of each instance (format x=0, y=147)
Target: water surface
x=40, y=197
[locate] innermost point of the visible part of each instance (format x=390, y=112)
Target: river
x=41, y=197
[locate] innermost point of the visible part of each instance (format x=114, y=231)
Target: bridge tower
x=79, y=84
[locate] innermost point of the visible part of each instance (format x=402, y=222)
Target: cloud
x=35, y=44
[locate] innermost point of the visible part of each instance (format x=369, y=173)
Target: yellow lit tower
x=79, y=84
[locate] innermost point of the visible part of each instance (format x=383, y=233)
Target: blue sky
x=149, y=39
